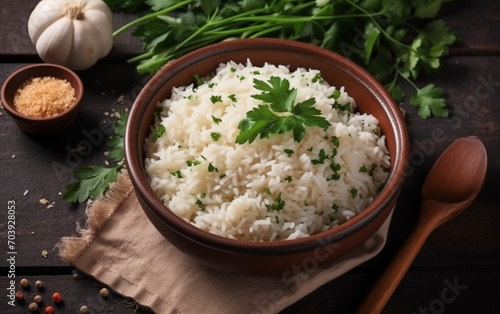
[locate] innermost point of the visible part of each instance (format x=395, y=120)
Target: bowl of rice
x=256, y=156
x=42, y=98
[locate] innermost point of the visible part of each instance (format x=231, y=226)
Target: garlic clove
x=54, y=44
x=104, y=31
x=86, y=46
x=48, y=13
x=99, y=5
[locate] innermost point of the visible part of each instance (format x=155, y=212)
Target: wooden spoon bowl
x=450, y=187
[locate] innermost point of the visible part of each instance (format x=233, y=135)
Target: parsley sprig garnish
x=93, y=181
x=279, y=113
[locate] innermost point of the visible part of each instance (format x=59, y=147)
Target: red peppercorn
x=19, y=296
x=57, y=297
x=49, y=310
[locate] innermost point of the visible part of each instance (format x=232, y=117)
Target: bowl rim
x=390, y=190
x=79, y=90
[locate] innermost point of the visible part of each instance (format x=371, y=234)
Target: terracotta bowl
x=34, y=125
x=267, y=258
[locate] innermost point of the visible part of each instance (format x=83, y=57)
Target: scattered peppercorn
x=19, y=296
x=104, y=292
x=39, y=284
x=49, y=310
x=33, y=307
x=84, y=309
x=57, y=297
x=24, y=283
x=37, y=298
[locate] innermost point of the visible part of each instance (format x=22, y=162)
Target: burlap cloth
x=121, y=248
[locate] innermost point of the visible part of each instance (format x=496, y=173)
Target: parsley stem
x=371, y=16
x=149, y=16
x=196, y=33
x=399, y=73
x=266, y=30
x=244, y=31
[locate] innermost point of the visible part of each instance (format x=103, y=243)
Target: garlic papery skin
x=75, y=34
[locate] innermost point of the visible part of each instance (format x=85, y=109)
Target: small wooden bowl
x=35, y=125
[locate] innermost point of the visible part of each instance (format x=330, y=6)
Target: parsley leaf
x=160, y=131
x=277, y=93
x=215, y=98
x=321, y=158
x=116, y=142
x=94, y=181
x=177, y=173
x=263, y=121
x=215, y=136
x=289, y=152
x=216, y=120
x=278, y=204
x=430, y=101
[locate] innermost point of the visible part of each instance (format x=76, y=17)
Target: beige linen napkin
x=122, y=249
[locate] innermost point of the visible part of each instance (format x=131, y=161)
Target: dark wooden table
x=457, y=270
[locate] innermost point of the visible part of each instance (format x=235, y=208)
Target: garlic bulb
x=73, y=33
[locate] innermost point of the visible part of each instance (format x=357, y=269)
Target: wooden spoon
x=452, y=184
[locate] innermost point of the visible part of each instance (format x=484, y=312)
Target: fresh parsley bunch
x=394, y=40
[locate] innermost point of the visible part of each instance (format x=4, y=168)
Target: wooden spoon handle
x=390, y=278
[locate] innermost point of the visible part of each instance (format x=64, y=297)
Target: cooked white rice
x=229, y=189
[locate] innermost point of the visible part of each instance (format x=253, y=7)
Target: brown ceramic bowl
x=267, y=258
x=34, y=125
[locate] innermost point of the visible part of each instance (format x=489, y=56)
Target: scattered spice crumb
x=104, y=292
x=24, y=282
x=44, y=201
x=13, y=156
x=25, y=193
x=37, y=298
x=79, y=148
x=33, y=307
x=45, y=253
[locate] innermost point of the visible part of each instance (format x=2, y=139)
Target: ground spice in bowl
x=43, y=97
